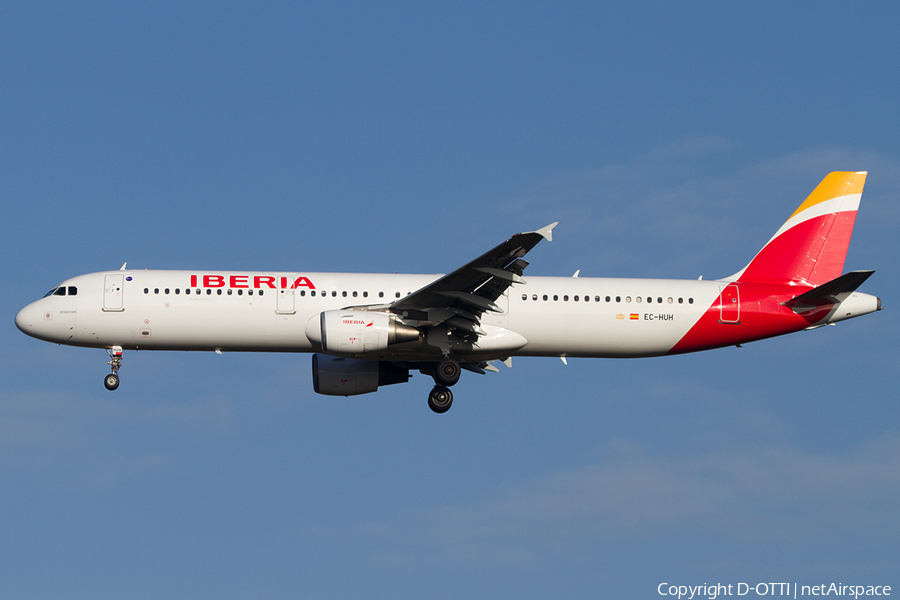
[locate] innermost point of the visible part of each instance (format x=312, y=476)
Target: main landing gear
x=111, y=381
x=440, y=399
x=445, y=374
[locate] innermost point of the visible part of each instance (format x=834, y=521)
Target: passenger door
x=112, y=293
x=729, y=305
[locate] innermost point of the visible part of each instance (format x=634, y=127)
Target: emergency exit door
x=285, y=302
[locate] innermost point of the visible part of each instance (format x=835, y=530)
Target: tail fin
x=810, y=247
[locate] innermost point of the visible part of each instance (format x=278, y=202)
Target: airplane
x=369, y=330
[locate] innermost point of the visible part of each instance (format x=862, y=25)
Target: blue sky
x=668, y=140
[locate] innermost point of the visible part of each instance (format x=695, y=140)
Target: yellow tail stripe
x=839, y=183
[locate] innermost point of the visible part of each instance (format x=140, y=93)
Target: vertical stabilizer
x=810, y=247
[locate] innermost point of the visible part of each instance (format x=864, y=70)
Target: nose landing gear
x=111, y=381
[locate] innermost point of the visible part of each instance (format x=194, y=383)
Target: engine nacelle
x=333, y=376
x=357, y=331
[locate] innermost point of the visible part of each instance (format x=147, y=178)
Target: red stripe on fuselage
x=761, y=316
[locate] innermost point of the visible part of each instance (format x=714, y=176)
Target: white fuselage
x=173, y=310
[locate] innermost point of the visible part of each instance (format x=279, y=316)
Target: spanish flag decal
x=634, y=316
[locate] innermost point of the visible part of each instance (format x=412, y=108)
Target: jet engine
x=333, y=376
x=358, y=331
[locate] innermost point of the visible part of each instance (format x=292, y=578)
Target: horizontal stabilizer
x=833, y=292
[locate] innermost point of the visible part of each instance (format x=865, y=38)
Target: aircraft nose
x=27, y=318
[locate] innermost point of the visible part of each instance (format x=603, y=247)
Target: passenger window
x=618, y=298
x=219, y=292
x=167, y=290
x=261, y=292
x=681, y=301
x=344, y=294
x=240, y=292
x=249, y=292
x=534, y=297
x=555, y=297
x=155, y=290
x=638, y=299
x=208, y=292
x=302, y=292
x=381, y=294
x=334, y=294
x=690, y=300
x=365, y=294
x=146, y=290
x=312, y=293
x=565, y=298
x=628, y=299
x=524, y=296
x=649, y=299
x=354, y=294
x=607, y=299
x=669, y=300
x=545, y=297
x=178, y=291
x=575, y=299
x=396, y=294
x=229, y=291
x=660, y=300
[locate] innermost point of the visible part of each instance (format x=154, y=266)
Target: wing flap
x=474, y=288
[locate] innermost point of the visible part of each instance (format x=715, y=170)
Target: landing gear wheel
x=447, y=372
x=111, y=381
x=440, y=399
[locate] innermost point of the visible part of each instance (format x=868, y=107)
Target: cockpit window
x=61, y=291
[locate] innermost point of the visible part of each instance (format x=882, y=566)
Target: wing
x=459, y=299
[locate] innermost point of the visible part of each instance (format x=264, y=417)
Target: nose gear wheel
x=111, y=381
